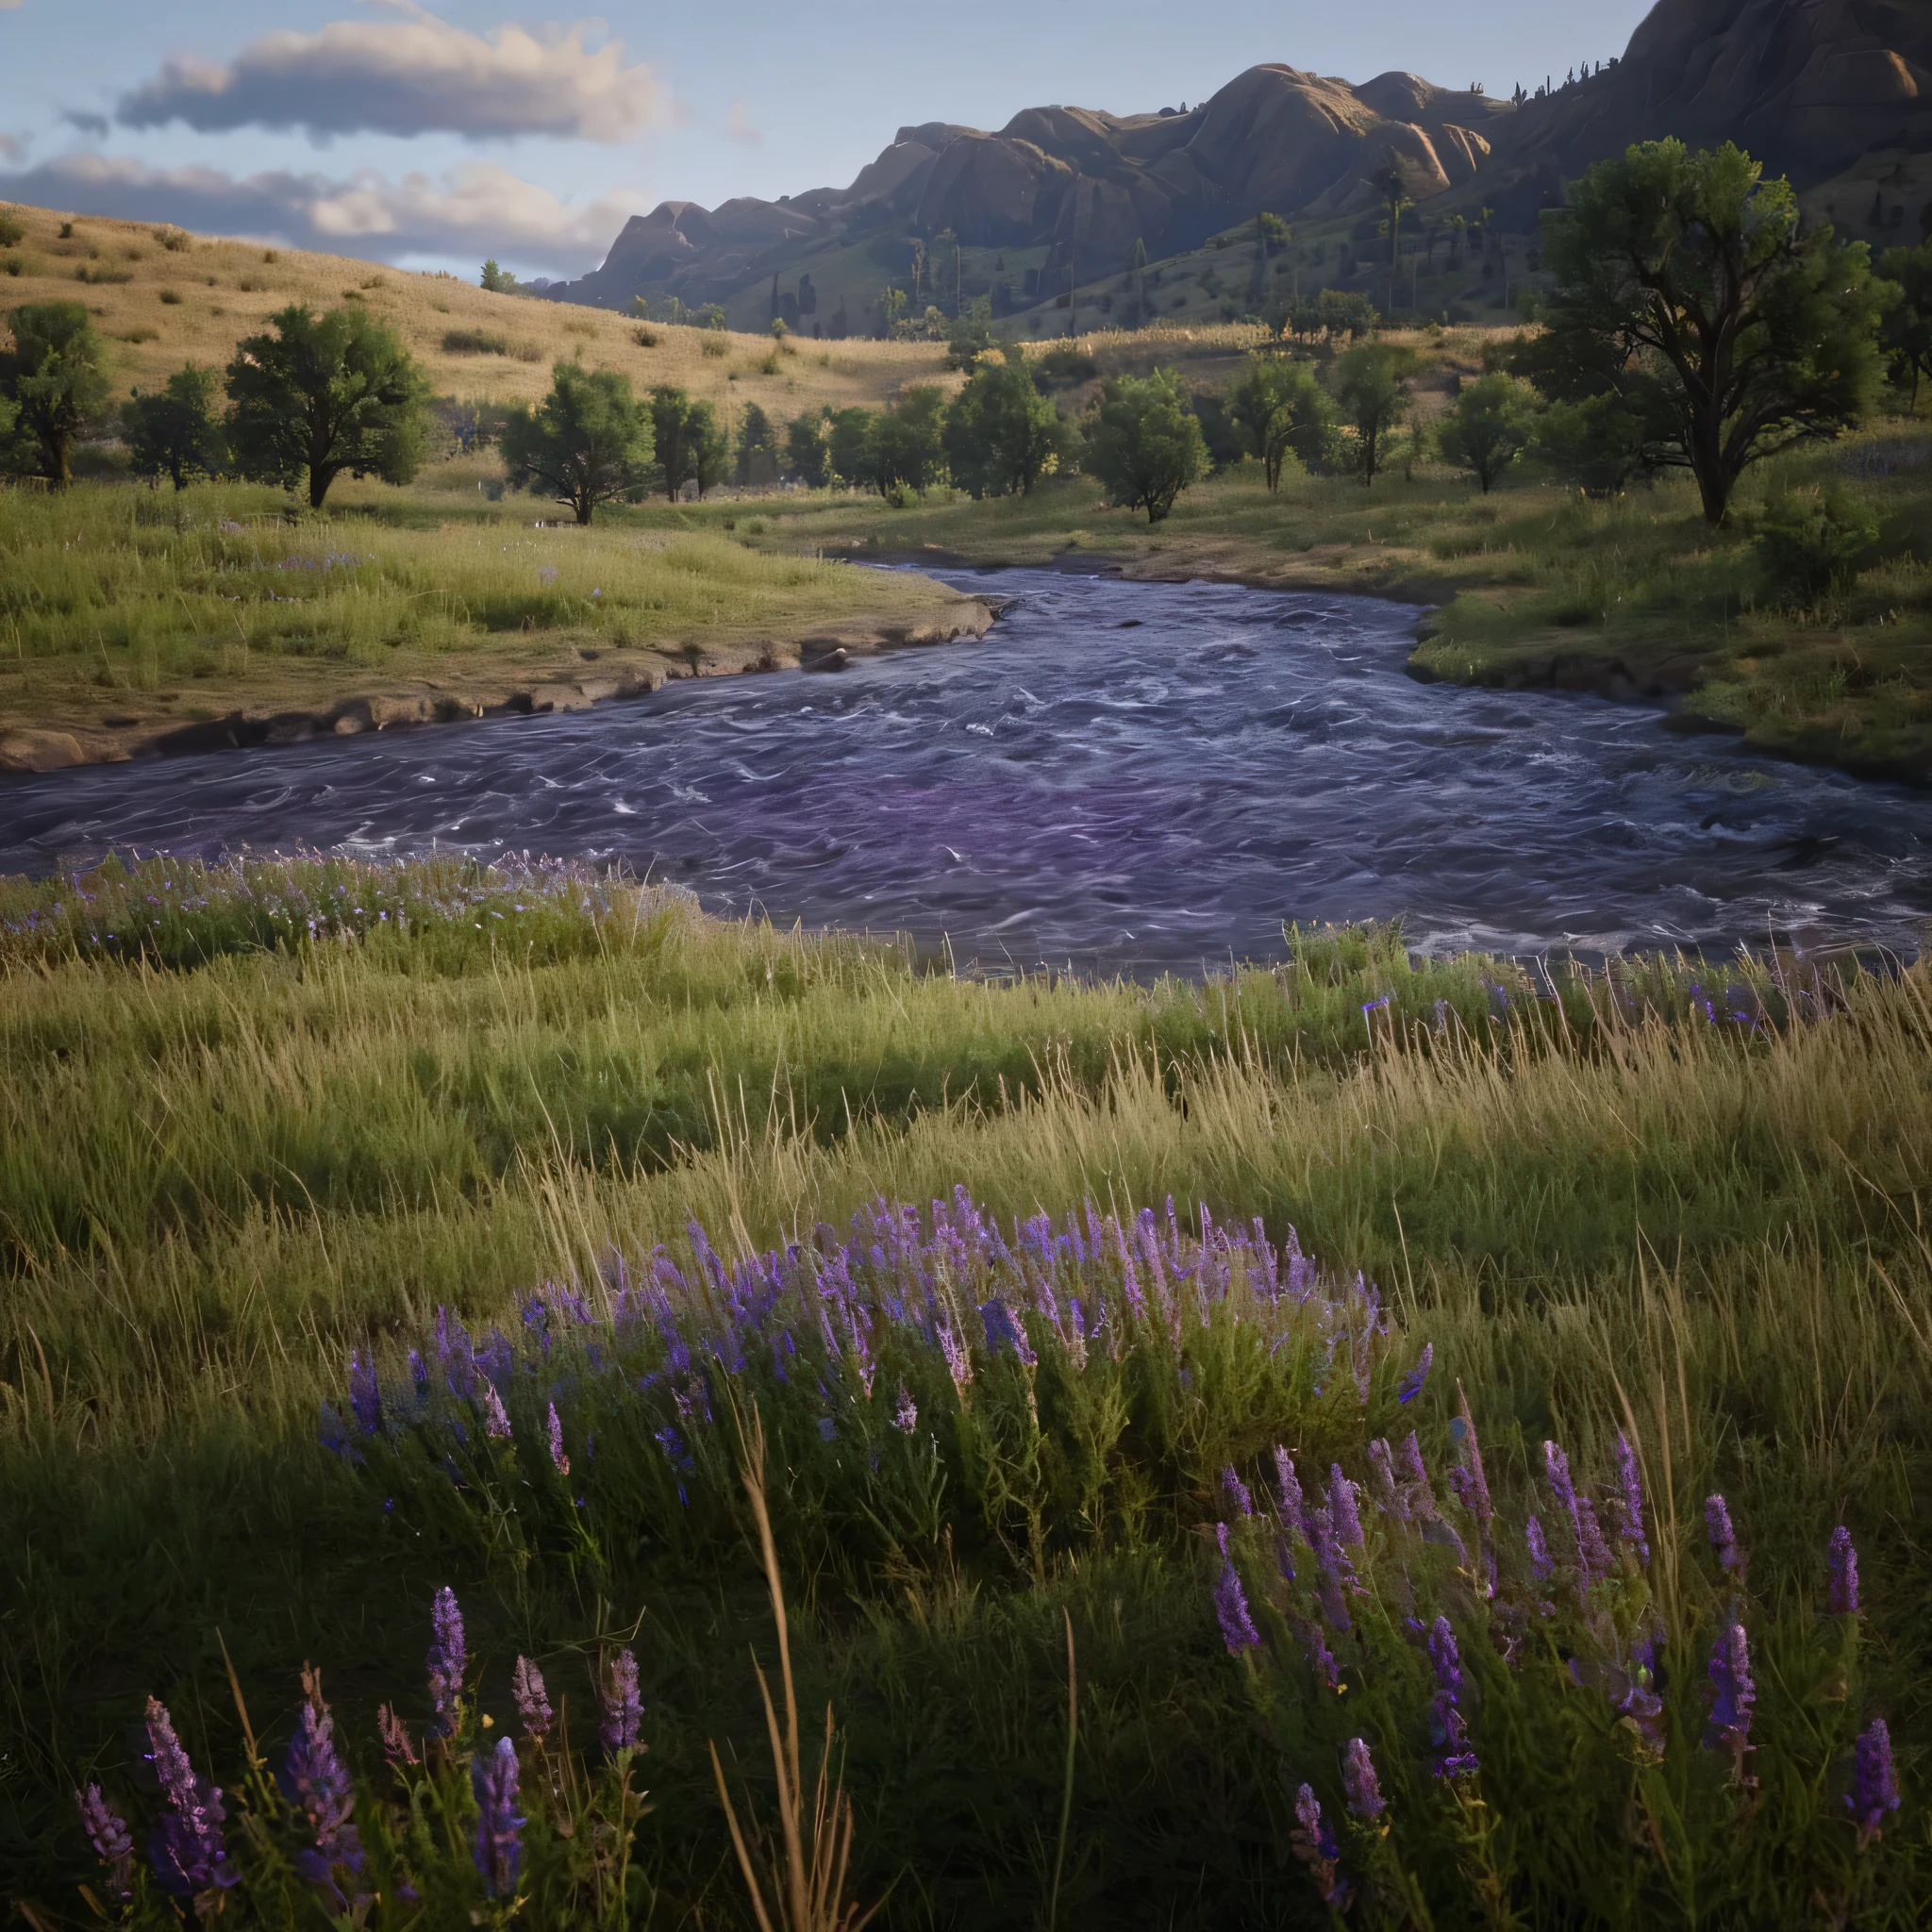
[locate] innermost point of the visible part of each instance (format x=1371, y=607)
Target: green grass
x=230, y=1153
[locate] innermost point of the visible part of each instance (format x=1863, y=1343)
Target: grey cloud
x=13, y=147
x=88, y=123
x=478, y=209
x=409, y=75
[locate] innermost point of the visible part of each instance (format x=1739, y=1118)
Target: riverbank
x=254, y=1119
x=1533, y=586
x=135, y=623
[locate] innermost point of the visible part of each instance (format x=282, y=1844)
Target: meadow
x=266, y=1130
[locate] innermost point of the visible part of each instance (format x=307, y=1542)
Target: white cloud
x=13, y=147
x=410, y=74
x=478, y=209
x=738, y=127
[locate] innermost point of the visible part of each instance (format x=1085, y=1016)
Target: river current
x=1120, y=776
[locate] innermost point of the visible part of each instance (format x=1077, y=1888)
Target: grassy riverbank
x=251, y=1121
x=128, y=617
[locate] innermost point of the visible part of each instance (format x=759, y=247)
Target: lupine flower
x=1231, y=1605
x=1471, y=1487
x=1557, y=1467
x=447, y=1659
x=1723, y=1540
x=1539, y=1562
x=906, y=1417
x=1237, y=1492
x=532, y=1700
x=1359, y=1781
x=1320, y=1658
x=1630, y=1483
x=1873, y=1789
x=1448, y=1731
x=559, y=1460
x=1382, y=1467
x=186, y=1845
x=396, y=1746
x=316, y=1783
x=1289, y=1487
x=1844, y=1560
x=1412, y=1385
x=623, y=1709
x=108, y=1832
x=495, y=1417
x=1593, y=1553
x=499, y=1846
x=1348, y=1522
x=1638, y=1703
x=1735, y=1693
x=1314, y=1845
x=365, y=1394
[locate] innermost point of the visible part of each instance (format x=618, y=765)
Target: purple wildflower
x=623, y=1709
x=396, y=1746
x=316, y=1783
x=1320, y=1658
x=532, y=1700
x=1237, y=1492
x=108, y=1832
x=1314, y=1845
x=495, y=1417
x=1844, y=1560
x=1467, y=1479
x=1640, y=1706
x=1341, y=1505
x=1874, y=1791
x=1539, y=1562
x=186, y=1845
x=1336, y=1573
x=1630, y=1499
x=499, y=1848
x=1231, y=1605
x=1448, y=1731
x=1557, y=1467
x=1413, y=1383
x=959, y=1360
x=1735, y=1693
x=1289, y=1487
x=559, y=1460
x=1593, y=1558
x=1724, y=1539
x=365, y=1394
x=447, y=1659
x=1382, y=1469
x=1359, y=1781
x=906, y=1417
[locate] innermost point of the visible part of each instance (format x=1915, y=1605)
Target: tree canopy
x=1283, y=411
x=588, y=442
x=1687, y=288
x=1001, y=434
x=176, y=431
x=903, y=450
x=1371, y=386
x=691, y=443
x=1145, y=445
x=53, y=381
x=323, y=395
x=1906, y=335
x=1488, y=426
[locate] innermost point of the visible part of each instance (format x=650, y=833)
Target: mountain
x=1809, y=86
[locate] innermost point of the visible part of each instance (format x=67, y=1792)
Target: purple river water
x=1120, y=776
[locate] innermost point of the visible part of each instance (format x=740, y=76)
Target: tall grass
x=1679, y=1202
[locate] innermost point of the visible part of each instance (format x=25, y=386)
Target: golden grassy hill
x=165, y=297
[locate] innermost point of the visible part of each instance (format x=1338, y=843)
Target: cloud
x=412, y=74
x=13, y=147
x=95, y=125
x=478, y=209
x=738, y=127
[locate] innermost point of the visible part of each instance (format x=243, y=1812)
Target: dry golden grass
x=126, y=273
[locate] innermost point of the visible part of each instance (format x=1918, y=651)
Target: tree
x=1906, y=335
x=972, y=335
x=499, y=281
x=175, y=432
x=1283, y=411
x=588, y=442
x=757, y=447
x=1371, y=386
x=1593, y=445
x=691, y=443
x=53, y=381
x=848, y=446
x=324, y=395
x=806, y=453
x=1146, y=446
x=1488, y=426
x=1686, y=288
x=1001, y=434
x=905, y=448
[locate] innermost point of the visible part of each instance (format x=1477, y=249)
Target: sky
x=433, y=137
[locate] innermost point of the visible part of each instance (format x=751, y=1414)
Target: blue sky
x=430, y=135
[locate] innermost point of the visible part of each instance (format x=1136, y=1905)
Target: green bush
x=1811, y=541
x=475, y=341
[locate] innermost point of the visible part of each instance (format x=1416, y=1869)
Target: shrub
x=1146, y=445
x=1811, y=541
x=475, y=341
x=10, y=231
x=1593, y=445
x=169, y=298
x=644, y=338
x=173, y=241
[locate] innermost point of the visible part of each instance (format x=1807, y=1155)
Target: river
x=1120, y=776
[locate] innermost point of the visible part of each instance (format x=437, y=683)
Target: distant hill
x=1063, y=195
